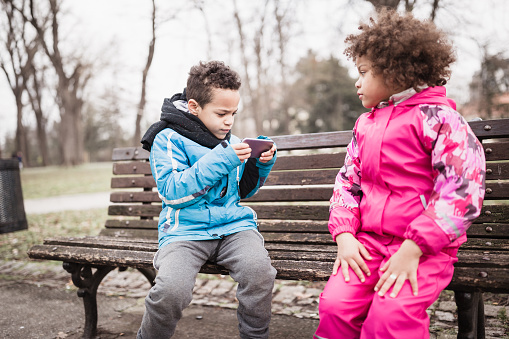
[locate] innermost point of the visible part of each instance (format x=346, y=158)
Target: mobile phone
x=258, y=146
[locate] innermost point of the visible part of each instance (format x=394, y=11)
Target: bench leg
x=150, y=274
x=470, y=314
x=88, y=282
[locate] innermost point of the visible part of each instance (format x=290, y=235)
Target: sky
x=118, y=32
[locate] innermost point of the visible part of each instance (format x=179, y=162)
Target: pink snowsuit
x=414, y=170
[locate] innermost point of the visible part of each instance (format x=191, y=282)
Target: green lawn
x=52, y=181
x=13, y=246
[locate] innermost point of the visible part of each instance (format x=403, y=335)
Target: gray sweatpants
x=178, y=263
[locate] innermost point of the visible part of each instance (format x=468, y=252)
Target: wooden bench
x=292, y=210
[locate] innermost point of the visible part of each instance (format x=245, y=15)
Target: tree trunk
x=141, y=105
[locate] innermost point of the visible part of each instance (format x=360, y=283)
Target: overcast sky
x=119, y=30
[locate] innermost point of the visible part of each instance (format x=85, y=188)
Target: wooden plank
x=104, y=243
x=480, y=279
x=309, y=161
x=498, y=170
x=131, y=182
x=129, y=153
x=130, y=233
x=135, y=210
x=496, y=150
x=313, y=140
x=132, y=167
x=291, y=212
x=283, y=194
x=129, y=197
x=131, y=223
x=302, y=177
x=494, y=214
x=483, y=244
x=304, y=238
x=297, y=226
x=84, y=255
x=496, y=230
x=496, y=128
x=497, y=190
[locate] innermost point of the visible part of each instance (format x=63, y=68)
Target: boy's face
x=371, y=88
x=218, y=115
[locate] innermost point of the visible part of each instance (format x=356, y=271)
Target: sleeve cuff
x=342, y=220
x=430, y=238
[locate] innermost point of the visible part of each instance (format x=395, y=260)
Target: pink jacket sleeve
x=459, y=169
x=344, y=203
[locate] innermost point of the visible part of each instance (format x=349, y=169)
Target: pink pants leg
x=354, y=310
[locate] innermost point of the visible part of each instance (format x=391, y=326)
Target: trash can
x=12, y=208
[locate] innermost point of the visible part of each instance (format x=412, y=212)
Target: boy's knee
x=166, y=293
x=258, y=272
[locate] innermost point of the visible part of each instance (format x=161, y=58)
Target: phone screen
x=258, y=146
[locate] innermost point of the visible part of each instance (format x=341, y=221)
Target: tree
x=489, y=89
x=73, y=74
x=323, y=96
x=409, y=5
x=150, y=57
x=15, y=68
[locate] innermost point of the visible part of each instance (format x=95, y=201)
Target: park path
x=82, y=201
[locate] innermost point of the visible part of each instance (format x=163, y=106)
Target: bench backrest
x=292, y=207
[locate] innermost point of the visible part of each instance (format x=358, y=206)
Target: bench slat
x=132, y=167
x=309, y=161
x=498, y=128
x=313, y=140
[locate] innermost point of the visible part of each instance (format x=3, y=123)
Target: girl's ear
x=193, y=106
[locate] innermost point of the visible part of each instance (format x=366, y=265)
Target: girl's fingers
x=357, y=270
x=414, y=285
x=397, y=287
x=344, y=269
x=337, y=263
x=385, y=282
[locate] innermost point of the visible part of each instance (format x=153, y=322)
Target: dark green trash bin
x=12, y=209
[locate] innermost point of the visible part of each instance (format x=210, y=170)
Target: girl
x=411, y=185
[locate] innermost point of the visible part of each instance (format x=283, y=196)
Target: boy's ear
x=193, y=106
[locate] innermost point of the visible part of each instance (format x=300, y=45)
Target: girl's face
x=371, y=89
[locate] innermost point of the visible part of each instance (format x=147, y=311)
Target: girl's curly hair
x=208, y=75
x=407, y=52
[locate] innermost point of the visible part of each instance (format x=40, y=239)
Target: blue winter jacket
x=199, y=188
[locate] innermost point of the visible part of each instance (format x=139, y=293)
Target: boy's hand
x=242, y=150
x=401, y=266
x=268, y=155
x=351, y=253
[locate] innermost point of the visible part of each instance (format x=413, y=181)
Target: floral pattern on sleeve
x=459, y=170
x=347, y=194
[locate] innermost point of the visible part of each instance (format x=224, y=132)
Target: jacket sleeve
x=459, y=171
x=344, y=203
x=255, y=174
x=179, y=184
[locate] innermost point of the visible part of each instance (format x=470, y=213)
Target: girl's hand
x=268, y=155
x=401, y=266
x=242, y=150
x=351, y=253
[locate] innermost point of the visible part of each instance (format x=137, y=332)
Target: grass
x=54, y=181
x=13, y=246
x=42, y=182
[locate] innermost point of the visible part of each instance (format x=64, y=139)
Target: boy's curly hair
x=208, y=75
x=407, y=52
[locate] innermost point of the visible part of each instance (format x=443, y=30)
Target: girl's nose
x=358, y=83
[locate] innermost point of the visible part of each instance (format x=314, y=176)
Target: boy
x=202, y=171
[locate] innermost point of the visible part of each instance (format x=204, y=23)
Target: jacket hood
x=176, y=115
x=430, y=95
